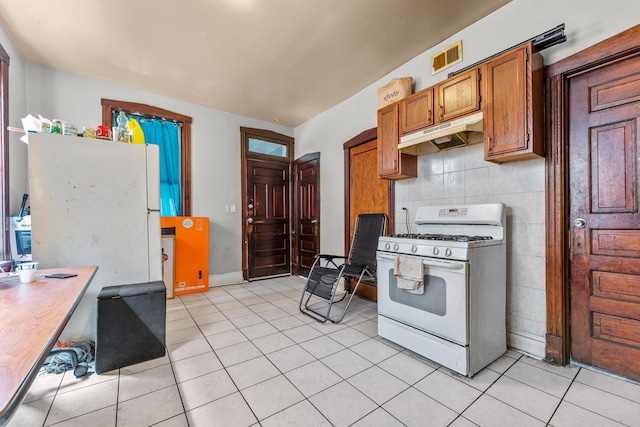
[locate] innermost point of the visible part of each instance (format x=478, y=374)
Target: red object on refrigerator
x=191, y=253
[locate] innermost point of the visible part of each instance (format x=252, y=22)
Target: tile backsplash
x=462, y=175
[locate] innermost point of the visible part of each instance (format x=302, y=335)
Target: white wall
x=461, y=175
x=18, y=184
x=215, y=150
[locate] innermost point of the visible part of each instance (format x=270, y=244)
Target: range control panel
x=453, y=213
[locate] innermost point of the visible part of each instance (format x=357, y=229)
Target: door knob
x=314, y=221
x=250, y=220
x=579, y=223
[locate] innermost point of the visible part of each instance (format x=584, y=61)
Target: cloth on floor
x=409, y=272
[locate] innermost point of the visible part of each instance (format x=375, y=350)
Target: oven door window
x=433, y=300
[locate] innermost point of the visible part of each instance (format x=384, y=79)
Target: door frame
x=362, y=138
x=295, y=254
x=557, y=78
x=245, y=134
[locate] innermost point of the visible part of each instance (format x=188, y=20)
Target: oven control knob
x=396, y=247
x=436, y=251
x=387, y=246
x=447, y=252
x=414, y=249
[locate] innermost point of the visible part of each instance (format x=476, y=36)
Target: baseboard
x=526, y=343
x=225, y=279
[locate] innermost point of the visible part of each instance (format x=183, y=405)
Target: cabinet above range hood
x=456, y=133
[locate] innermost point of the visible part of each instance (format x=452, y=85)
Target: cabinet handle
x=441, y=112
x=395, y=165
x=428, y=114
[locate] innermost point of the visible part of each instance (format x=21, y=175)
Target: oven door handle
x=450, y=265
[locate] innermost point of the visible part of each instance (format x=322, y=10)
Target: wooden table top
x=32, y=316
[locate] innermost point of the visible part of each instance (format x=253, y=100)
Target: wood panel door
x=267, y=228
x=604, y=117
x=305, y=233
x=366, y=193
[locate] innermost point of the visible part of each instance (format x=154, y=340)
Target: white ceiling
x=281, y=60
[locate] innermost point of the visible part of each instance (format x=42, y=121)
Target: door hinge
x=528, y=136
x=526, y=55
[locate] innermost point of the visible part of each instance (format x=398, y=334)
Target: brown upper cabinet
x=513, y=116
x=416, y=111
x=455, y=97
x=393, y=164
x=459, y=95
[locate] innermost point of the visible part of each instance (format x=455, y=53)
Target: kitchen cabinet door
x=393, y=164
x=416, y=111
x=513, y=128
x=459, y=95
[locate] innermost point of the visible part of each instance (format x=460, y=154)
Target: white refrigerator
x=95, y=202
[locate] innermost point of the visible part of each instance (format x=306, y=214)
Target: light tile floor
x=243, y=355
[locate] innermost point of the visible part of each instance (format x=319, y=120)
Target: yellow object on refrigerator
x=191, y=253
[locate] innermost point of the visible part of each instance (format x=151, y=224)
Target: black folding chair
x=321, y=291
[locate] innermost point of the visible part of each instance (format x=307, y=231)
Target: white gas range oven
x=442, y=291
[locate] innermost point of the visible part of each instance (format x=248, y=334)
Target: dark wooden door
x=305, y=238
x=604, y=220
x=267, y=216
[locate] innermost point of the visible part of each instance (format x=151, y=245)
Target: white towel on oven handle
x=409, y=272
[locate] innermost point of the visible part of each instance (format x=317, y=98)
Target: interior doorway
x=305, y=232
x=593, y=231
x=604, y=222
x=364, y=191
x=266, y=203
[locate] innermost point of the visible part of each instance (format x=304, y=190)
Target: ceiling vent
x=448, y=57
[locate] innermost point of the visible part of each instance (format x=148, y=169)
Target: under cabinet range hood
x=452, y=134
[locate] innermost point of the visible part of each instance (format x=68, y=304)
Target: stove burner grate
x=443, y=237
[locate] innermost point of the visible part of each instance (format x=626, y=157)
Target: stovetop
x=449, y=232
x=442, y=237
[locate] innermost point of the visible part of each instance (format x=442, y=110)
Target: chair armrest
x=329, y=259
x=326, y=256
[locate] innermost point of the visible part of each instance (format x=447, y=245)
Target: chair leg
x=318, y=316
x=355, y=288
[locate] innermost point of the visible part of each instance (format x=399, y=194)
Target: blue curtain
x=167, y=136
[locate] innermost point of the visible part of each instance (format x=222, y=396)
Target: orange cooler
x=191, y=253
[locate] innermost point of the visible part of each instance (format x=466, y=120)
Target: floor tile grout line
x=118, y=395
x=287, y=378
x=230, y=378
x=295, y=343
x=175, y=378
x=239, y=391
x=563, y=396
x=574, y=380
x=460, y=414
x=44, y=421
x=55, y=395
x=517, y=409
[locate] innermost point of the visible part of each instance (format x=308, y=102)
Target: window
x=111, y=108
x=263, y=144
x=4, y=150
x=266, y=147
